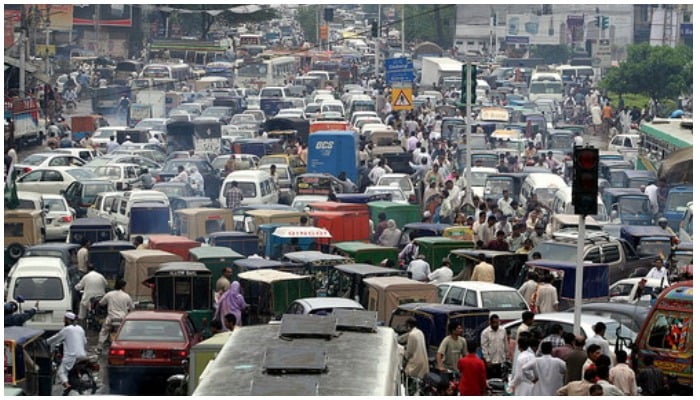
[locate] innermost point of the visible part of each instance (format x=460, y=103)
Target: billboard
x=60, y=16
x=107, y=14
x=539, y=29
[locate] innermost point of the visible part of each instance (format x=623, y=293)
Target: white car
x=58, y=217
x=124, y=176
x=39, y=160
x=291, y=113
x=397, y=195
x=322, y=305
x=102, y=135
x=625, y=290
x=51, y=180
x=478, y=181
x=301, y=201
x=403, y=181
x=504, y=301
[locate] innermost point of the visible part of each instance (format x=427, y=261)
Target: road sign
x=401, y=99
x=397, y=64
x=401, y=76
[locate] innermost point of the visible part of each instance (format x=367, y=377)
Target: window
x=593, y=255
x=31, y=177
x=52, y=176
x=470, y=299
x=265, y=188
x=122, y=207
x=502, y=300
x=55, y=204
x=151, y=331
x=611, y=253
x=454, y=296
x=59, y=162
x=39, y=288
x=623, y=289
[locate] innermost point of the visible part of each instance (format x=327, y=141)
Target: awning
x=30, y=68
x=301, y=232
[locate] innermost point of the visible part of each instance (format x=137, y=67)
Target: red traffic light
x=587, y=158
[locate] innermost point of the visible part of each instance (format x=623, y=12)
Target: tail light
x=158, y=178
x=67, y=218
x=95, y=366
x=178, y=354
x=26, y=169
x=117, y=352
x=117, y=357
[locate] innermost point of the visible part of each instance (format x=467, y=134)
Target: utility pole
x=403, y=31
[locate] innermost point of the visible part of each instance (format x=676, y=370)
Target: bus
x=272, y=72
x=179, y=72
x=219, y=68
x=546, y=85
x=660, y=138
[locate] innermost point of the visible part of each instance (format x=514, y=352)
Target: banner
x=11, y=21
x=60, y=15
x=108, y=15
x=544, y=29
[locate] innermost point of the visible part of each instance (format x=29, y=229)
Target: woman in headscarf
x=231, y=302
x=391, y=235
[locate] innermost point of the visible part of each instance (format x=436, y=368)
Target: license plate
x=148, y=354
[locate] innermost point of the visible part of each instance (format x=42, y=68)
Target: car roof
x=155, y=315
x=39, y=262
x=568, y=317
x=650, y=281
x=330, y=302
x=475, y=285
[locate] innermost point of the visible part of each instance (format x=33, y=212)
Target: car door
x=72, y=194
x=51, y=182
x=30, y=182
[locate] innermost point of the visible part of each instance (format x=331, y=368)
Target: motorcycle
x=176, y=385
x=82, y=377
x=96, y=314
x=437, y=383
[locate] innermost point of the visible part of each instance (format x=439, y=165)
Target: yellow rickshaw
x=255, y=218
x=139, y=265
x=201, y=222
x=27, y=366
x=23, y=228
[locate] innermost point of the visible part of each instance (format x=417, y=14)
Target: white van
x=544, y=184
x=561, y=204
x=257, y=187
x=120, y=209
x=332, y=106
x=44, y=279
x=685, y=230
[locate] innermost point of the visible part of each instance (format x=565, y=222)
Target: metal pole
x=376, y=40
x=578, y=293
x=22, y=64
x=403, y=31
x=468, y=119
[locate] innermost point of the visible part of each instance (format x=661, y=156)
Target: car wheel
x=15, y=251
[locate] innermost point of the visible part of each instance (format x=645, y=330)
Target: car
x=125, y=176
x=219, y=112
x=291, y=113
x=258, y=114
x=174, y=189
x=243, y=161
x=625, y=290
x=285, y=181
x=195, y=109
x=82, y=153
x=212, y=179
x=50, y=180
x=102, y=205
x=244, y=120
x=397, y=195
x=403, y=181
x=157, y=156
x=632, y=315
x=148, y=348
x=294, y=161
x=58, y=216
x=505, y=301
x=311, y=110
x=322, y=305
x=478, y=181
x=152, y=124
x=300, y=202
x=102, y=135
x=544, y=321
x=39, y=160
x=81, y=194
x=152, y=166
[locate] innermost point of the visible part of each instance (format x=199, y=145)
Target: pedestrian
x=410, y=251
x=595, y=390
x=500, y=243
x=419, y=269
x=547, y=299
x=554, y=337
x=593, y=352
x=216, y=327
x=381, y=225
x=224, y=281
x=579, y=387
x=13, y=318
x=564, y=351
x=658, y=271
x=118, y=303
x=82, y=256
x=138, y=242
x=234, y=196
x=486, y=232
x=443, y=274
x=650, y=378
x=196, y=180
x=415, y=355
x=622, y=376
x=494, y=345
x=599, y=339
x=548, y=371
x=527, y=289
x=521, y=382
x=73, y=338
x=112, y=145
x=483, y=271
x=231, y=302
x=230, y=322
x=181, y=175
x=472, y=381
x=603, y=374
x=93, y=284
x=452, y=348
x=391, y=235
x=575, y=360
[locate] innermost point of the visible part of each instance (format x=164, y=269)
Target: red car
x=149, y=347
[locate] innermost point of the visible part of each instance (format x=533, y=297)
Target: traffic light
x=473, y=83
x=584, y=189
x=463, y=94
x=375, y=29
x=597, y=20
x=328, y=14
x=604, y=22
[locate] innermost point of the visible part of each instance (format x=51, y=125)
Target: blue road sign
x=398, y=64
x=399, y=76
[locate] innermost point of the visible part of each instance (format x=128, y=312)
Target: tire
x=173, y=389
x=86, y=382
x=15, y=251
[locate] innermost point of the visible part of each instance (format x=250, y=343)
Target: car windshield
x=171, y=190
x=151, y=331
x=34, y=159
x=171, y=166
x=633, y=205
x=611, y=332
x=81, y=173
x=54, y=204
x=39, y=288
x=401, y=181
x=216, y=112
x=109, y=171
x=502, y=300
x=678, y=201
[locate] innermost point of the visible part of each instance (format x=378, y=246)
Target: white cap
x=69, y=315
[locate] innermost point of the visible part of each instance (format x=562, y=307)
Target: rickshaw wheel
x=15, y=251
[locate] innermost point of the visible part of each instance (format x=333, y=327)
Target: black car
x=81, y=195
x=212, y=179
x=632, y=315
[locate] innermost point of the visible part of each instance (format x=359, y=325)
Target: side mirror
x=62, y=191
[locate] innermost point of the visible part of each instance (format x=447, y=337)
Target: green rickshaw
x=401, y=213
x=184, y=286
x=436, y=248
x=269, y=292
x=215, y=258
x=368, y=253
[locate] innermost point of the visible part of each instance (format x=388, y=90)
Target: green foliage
x=427, y=22
x=660, y=72
x=552, y=54
x=307, y=18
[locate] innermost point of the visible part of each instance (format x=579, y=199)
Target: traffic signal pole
x=468, y=120
x=578, y=293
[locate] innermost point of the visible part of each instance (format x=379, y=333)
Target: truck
x=154, y=98
x=23, y=122
x=334, y=152
x=436, y=69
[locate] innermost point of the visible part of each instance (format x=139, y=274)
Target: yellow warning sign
x=401, y=99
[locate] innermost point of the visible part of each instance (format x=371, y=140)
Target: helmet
x=11, y=307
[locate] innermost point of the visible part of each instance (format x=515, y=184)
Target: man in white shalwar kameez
x=521, y=382
x=549, y=372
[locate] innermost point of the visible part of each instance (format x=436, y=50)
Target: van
x=257, y=187
x=667, y=336
x=562, y=204
x=544, y=185
x=120, y=209
x=43, y=279
x=332, y=106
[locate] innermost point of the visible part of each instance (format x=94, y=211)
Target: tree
x=307, y=16
x=199, y=19
x=659, y=72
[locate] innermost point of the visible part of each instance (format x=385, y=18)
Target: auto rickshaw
x=27, y=362
x=421, y=229
x=23, y=228
x=269, y=293
x=316, y=264
x=434, y=318
x=634, y=178
x=368, y=253
x=215, y=258
x=106, y=256
x=362, y=198
x=385, y=293
x=179, y=245
x=507, y=265
x=343, y=225
x=93, y=229
x=138, y=266
x=436, y=248
x=402, y=214
x=202, y=222
x=240, y=242
x=648, y=240
x=279, y=240
x=200, y=356
x=595, y=280
x=346, y=280
x=184, y=286
x=337, y=206
x=255, y=218
x=629, y=208
x=258, y=263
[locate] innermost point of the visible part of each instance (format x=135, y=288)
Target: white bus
x=178, y=72
x=546, y=85
x=272, y=72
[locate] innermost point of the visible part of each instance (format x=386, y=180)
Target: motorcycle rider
x=13, y=318
x=92, y=284
x=118, y=304
x=74, y=341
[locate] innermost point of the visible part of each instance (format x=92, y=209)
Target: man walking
x=472, y=381
x=494, y=343
x=93, y=284
x=521, y=383
x=452, y=348
x=234, y=196
x=547, y=299
x=118, y=304
x=548, y=371
x=483, y=271
x=416, y=354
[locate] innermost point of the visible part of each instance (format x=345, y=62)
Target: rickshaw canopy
x=141, y=264
x=301, y=232
x=595, y=277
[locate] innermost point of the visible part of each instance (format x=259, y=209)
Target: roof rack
x=307, y=326
x=355, y=320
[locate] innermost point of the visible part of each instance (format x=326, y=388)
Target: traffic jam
x=270, y=209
